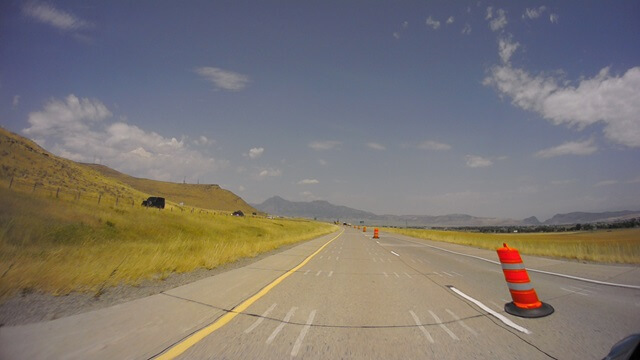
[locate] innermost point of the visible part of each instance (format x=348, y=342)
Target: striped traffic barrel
x=525, y=299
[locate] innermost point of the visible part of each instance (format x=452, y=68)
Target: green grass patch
x=606, y=246
x=59, y=246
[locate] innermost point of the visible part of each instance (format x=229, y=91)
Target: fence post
x=99, y=198
x=116, y=200
x=11, y=182
x=57, y=192
x=34, y=187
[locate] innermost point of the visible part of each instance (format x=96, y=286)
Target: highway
x=348, y=296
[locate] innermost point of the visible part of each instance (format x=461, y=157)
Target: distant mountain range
x=323, y=210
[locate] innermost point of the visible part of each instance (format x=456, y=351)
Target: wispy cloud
x=80, y=129
x=269, y=173
x=450, y=20
x=308, y=182
x=223, y=79
x=613, y=100
x=375, y=146
x=431, y=22
x=498, y=20
x=475, y=161
x=563, y=182
x=324, y=145
x=466, y=29
x=47, y=14
x=569, y=148
x=255, y=153
x=533, y=13
x=506, y=48
x=433, y=145
x=16, y=101
x=607, y=183
x=554, y=18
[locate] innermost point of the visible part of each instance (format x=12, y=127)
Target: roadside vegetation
x=57, y=246
x=606, y=246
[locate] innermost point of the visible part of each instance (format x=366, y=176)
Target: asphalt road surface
x=357, y=297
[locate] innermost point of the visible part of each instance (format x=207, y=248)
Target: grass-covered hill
x=203, y=196
x=28, y=164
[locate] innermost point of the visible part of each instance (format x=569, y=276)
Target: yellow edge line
x=222, y=321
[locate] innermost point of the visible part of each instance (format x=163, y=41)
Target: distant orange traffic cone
x=364, y=229
x=375, y=233
x=525, y=300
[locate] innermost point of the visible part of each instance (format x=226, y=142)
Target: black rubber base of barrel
x=542, y=311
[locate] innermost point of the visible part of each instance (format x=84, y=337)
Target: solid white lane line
x=446, y=273
x=330, y=273
x=284, y=321
x=493, y=313
x=424, y=331
x=443, y=326
x=538, y=271
x=260, y=319
x=394, y=253
x=303, y=333
x=469, y=329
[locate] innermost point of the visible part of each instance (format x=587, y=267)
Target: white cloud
x=396, y=35
x=433, y=145
x=375, y=146
x=475, y=161
x=533, y=13
x=324, y=145
x=497, y=22
x=308, y=182
x=613, y=100
x=554, y=18
x=563, y=182
x=450, y=20
x=223, y=79
x=569, y=148
x=270, y=173
x=405, y=25
x=607, y=183
x=241, y=188
x=634, y=181
x=435, y=24
x=47, y=14
x=255, y=153
x=16, y=101
x=203, y=140
x=77, y=129
x=506, y=48
x=466, y=30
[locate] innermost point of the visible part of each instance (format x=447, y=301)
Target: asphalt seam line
x=196, y=337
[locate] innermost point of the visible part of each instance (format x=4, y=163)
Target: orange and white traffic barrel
x=525, y=300
x=375, y=233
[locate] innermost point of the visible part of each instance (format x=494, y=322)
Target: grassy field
x=59, y=246
x=613, y=246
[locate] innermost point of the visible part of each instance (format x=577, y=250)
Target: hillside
x=203, y=196
x=23, y=163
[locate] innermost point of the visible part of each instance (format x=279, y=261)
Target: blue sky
x=498, y=109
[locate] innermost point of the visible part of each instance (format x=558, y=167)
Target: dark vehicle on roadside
x=238, y=213
x=153, y=201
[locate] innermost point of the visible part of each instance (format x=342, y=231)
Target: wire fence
x=65, y=193
x=109, y=197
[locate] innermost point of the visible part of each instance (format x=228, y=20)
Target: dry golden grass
x=58, y=246
x=608, y=246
